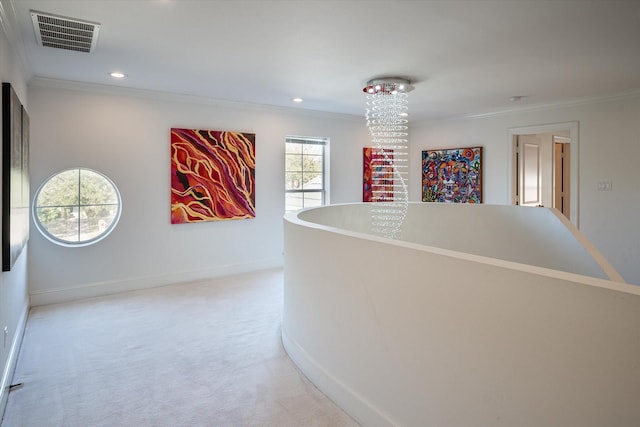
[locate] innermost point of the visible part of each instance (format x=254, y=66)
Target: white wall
x=13, y=284
x=125, y=135
x=609, y=149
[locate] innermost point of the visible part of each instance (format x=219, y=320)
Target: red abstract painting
x=377, y=182
x=212, y=175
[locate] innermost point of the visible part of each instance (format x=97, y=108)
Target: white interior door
x=545, y=134
x=529, y=149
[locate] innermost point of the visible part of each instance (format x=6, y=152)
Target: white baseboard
x=55, y=296
x=10, y=366
x=350, y=401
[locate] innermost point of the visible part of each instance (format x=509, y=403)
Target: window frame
x=317, y=141
x=79, y=243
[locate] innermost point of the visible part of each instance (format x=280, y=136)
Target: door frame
x=572, y=127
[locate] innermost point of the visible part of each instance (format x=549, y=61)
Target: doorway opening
x=543, y=170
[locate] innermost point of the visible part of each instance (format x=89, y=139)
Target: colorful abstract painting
x=212, y=175
x=377, y=181
x=452, y=175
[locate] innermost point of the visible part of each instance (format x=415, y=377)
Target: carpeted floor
x=196, y=354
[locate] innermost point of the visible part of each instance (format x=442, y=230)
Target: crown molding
x=181, y=98
x=9, y=25
x=560, y=104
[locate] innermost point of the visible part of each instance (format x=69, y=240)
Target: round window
x=77, y=207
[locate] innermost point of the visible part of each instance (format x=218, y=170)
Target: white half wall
x=540, y=237
x=609, y=146
x=125, y=135
x=406, y=334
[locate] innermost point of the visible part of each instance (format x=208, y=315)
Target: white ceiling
x=463, y=56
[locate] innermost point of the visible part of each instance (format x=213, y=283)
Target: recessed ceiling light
x=117, y=75
x=298, y=100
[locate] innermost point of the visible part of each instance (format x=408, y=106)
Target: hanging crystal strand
x=387, y=122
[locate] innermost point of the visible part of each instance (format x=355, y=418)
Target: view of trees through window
x=304, y=173
x=76, y=206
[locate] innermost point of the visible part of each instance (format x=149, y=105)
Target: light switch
x=605, y=185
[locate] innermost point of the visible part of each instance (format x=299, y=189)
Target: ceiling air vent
x=65, y=33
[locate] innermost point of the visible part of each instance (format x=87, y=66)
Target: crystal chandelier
x=387, y=121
